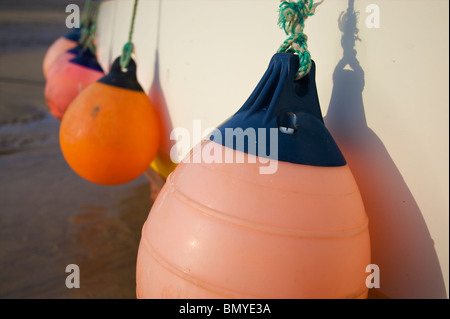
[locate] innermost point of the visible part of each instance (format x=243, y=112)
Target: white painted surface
x=394, y=133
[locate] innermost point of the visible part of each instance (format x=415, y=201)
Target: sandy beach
x=49, y=216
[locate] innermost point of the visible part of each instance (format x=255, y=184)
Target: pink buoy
x=63, y=59
x=59, y=47
x=66, y=82
x=286, y=223
x=225, y=231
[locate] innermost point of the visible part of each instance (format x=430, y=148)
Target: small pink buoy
x=69, y=80
x=59, y=47
x=63, y=59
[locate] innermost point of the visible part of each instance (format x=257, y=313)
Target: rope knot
x=292, y=20
x=125, y=58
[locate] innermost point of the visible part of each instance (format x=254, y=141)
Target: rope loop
x=125, y=58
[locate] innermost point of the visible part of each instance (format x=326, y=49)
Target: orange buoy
x=221, y=229
x=68, y=79
x=110, y=133
x=60, y=46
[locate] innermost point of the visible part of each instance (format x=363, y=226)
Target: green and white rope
x=89, y=24
x=128, y=48
x=86, y=14
x=86, y=19
x=292, y=20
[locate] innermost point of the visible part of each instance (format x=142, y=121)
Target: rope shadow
x=400, y=241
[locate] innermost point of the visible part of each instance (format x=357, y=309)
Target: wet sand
x=49, y=216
